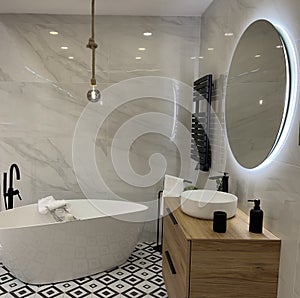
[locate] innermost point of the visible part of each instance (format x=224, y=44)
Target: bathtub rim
x=115, y=216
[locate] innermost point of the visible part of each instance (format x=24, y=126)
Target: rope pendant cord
x=92, y=45
x=93, y=95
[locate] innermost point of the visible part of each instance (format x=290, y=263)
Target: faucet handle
x=187, y=181
x=19, y=196
x=224, y=173
x=214, y=177
x=17, y=192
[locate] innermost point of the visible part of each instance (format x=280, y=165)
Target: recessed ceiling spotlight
x=210, y=49
x=71, y=57
x=138, y=58
x=64, y=48
x=257, y=56
x=228, y=34
x=147, y=33
x=142, y=49
x=53, y=32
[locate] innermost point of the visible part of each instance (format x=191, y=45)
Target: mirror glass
x=257, y=94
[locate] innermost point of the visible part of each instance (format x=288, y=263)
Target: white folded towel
x=49, y=203
x=173, y=187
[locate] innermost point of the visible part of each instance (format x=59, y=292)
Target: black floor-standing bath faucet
x=8, y=194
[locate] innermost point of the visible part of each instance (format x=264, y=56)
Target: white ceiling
x=108, y=7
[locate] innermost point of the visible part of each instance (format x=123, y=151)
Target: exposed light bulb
x=147, y=33
x=94, y=95
x=53, y=32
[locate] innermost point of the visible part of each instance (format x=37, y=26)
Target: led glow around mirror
x=257, y=95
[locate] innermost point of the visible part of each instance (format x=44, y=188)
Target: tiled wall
x=43, y=93
x=278, y=183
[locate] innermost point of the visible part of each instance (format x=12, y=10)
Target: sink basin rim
x=202, y=203
x=212, y=196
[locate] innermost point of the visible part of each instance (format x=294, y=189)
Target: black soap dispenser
x=256, y=217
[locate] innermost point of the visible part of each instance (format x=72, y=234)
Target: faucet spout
x=10, y=192
x=222, y=182
x=11, y=173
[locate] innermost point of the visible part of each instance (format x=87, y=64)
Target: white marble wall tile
x=40, y=109
x=138, y=156
x=43, y=95
x=34, y=55
x=278, y=183
x=45, y=165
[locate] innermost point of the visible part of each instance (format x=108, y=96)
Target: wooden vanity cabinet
x=199, y=263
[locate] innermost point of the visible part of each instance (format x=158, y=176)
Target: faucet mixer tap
x=223, y=186
x=10, y=192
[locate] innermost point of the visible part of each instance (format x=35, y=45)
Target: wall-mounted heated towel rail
x=200, y=150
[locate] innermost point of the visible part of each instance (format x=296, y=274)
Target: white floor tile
x=139, y=277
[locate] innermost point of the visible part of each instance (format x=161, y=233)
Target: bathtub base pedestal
x=38, y=250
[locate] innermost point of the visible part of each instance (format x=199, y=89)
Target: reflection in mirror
x=257, y=94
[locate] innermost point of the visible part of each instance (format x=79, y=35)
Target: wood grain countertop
x=196, y=229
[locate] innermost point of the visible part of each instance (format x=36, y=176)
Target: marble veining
x=277, y=184
x=43, y=94
x=42, y=53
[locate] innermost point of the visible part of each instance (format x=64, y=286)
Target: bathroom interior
x=119, y=149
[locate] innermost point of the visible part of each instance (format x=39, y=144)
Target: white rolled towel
x=49, y=203
x=173, y=187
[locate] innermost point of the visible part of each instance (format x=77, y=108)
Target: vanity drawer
x=176, y=258
x=199, y=263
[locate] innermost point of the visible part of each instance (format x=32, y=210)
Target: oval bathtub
x=38, y=250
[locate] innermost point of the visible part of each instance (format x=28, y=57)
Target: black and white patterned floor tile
x=139, y=277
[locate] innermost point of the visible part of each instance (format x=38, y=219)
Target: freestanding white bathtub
x=38, y=250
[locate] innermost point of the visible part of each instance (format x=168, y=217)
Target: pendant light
x=94, y=94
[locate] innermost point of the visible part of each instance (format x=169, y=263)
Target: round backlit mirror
x=257, y=94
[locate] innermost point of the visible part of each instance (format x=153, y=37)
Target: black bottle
x=256, y=217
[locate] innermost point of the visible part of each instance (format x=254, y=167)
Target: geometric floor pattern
x=140, y=276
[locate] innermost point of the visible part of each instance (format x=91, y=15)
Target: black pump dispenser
x=256, y=217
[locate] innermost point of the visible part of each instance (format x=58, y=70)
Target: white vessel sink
x=202, y=203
